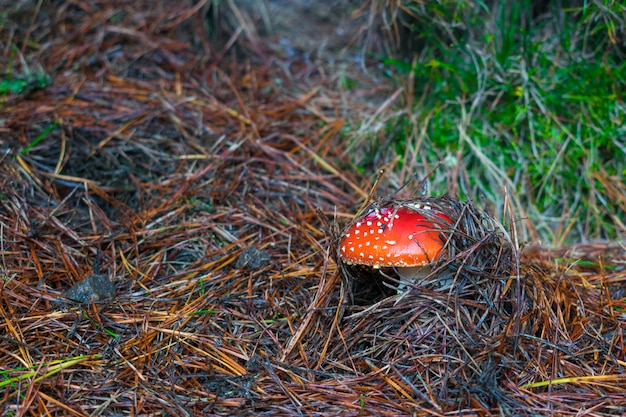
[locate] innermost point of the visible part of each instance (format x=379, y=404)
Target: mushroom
x=404, y=238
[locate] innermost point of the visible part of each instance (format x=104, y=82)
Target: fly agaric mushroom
x=402, y=238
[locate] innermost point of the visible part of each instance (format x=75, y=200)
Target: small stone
x=93, y=288
x=252, y=258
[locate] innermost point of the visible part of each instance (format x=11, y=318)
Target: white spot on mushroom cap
x=418, y=206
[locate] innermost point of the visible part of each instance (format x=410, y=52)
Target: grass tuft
x=528, y=102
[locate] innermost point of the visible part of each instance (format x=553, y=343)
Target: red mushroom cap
x=394, y=237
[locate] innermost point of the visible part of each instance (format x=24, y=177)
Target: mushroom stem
x=413, y=273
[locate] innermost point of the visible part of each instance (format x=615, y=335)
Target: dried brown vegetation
x=192, y=180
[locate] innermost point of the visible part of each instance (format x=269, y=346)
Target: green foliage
x=22, y=83
x=533, y=103
x=39, y=138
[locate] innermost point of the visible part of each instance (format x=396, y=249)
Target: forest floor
x=168, y=223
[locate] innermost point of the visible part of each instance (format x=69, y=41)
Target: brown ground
x=190, y=176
